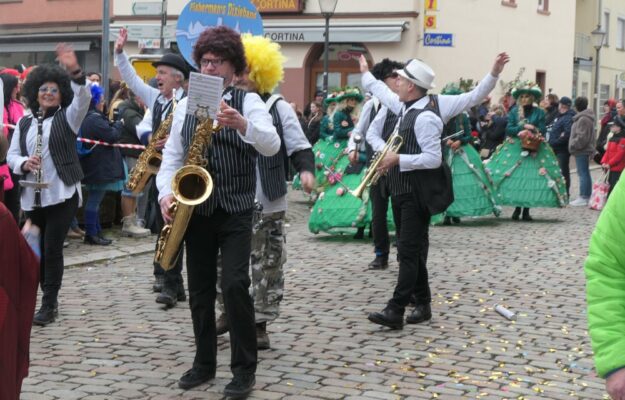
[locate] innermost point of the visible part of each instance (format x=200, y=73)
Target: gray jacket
x=582, y=141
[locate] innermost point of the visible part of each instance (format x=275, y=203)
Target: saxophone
x=191, y=185
x=150, y=159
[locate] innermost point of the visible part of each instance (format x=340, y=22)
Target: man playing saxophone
x=223, y=223
x=171, y=72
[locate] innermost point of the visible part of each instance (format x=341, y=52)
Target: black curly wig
x=223, y=42
x=10, y=83
x=385, y=68
x=42, y=74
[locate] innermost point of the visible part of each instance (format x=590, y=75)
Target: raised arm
x=79, y=106
x=147, y=93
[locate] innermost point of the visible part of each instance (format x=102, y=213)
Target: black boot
x=360, y=233
x=240, y=386
x=46, y=314
x=168, y=296
x=516, y=214
x=97, y=240
x=388, y=317
x=455, y=220
x=526, y=215
x=421, y=313
x=447, y=221
x=379, y=262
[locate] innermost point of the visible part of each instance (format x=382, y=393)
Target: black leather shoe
x=168, y=296
x=222, y=324
x=388, y=317
x=97, y=240
x=45, y=315
x=240, y=386
x=159, y=280
x=422, y=312
x=379, y=262
x=194, y=377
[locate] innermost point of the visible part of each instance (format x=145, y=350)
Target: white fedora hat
x=419, y=73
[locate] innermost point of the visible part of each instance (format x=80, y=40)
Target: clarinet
x=38, y=149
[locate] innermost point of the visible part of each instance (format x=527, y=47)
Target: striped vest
x=272, y=169
x=231, y=163
x=62, y=146
x=157, y=114
x=399, y=182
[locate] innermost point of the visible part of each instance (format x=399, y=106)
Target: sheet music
x=204, y=91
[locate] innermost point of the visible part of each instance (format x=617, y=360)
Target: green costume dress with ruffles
x=336, y=210
x=525, y=178
x=473, y=191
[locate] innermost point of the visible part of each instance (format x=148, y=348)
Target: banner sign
x=197, y=15
x=279, y=6
x=438, y=39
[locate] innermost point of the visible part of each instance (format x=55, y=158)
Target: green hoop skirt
x=526, y=179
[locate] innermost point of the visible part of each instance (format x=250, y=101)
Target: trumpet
x=393, y=144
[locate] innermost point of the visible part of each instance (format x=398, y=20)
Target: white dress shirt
x=57, y=191
x=261, y=134
x=294, y=140
x=428, y=127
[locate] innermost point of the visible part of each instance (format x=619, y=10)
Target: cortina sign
x=438, y=39
x=279, y=6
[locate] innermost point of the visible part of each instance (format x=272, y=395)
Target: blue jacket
x=104, y=164
x=561, y=132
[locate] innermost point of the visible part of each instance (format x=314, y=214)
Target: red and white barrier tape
x=122, y=145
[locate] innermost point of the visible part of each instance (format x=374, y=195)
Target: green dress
x=525, y=178
x=473, y=192
x=336, y=210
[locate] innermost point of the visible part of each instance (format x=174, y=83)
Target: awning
x=24, y=47
x=340, y=31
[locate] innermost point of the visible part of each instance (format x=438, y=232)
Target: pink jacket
x=12, y=113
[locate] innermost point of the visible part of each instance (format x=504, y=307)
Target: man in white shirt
x=223, y=223
x=420, y=185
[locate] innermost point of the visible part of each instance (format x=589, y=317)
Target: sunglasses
x=48, y=89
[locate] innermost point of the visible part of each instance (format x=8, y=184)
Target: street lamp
x=327, y=10
x=598, y=35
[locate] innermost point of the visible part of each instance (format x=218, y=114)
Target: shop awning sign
x=197, y=15
x=438, y=39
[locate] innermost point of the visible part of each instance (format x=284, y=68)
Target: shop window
x=585, y=87
x=620, y=34
x=604, y=93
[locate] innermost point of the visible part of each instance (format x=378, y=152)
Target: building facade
x=30, y=30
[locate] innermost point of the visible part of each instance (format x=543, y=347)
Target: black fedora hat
x=174, y=61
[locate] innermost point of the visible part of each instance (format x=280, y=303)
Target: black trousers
x=230, y=234
x=412, y=246
x=379, y=196
x=563, y=161
x=54, y=222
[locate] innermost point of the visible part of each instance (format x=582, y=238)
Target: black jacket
x=131, y=115
x=103, y=164
x=560, y=132
x=494, y=134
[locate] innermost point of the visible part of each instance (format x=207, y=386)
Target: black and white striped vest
x=62, y=146
x=273, y=169
x=231, y=163
x=399, y=182
x=157, y=113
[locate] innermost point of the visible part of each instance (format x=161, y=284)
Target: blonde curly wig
x=264, y=61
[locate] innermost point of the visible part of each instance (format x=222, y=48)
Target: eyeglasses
x=217, y=62
x=48, y=89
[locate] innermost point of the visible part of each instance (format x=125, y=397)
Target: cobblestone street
x=112, y=341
